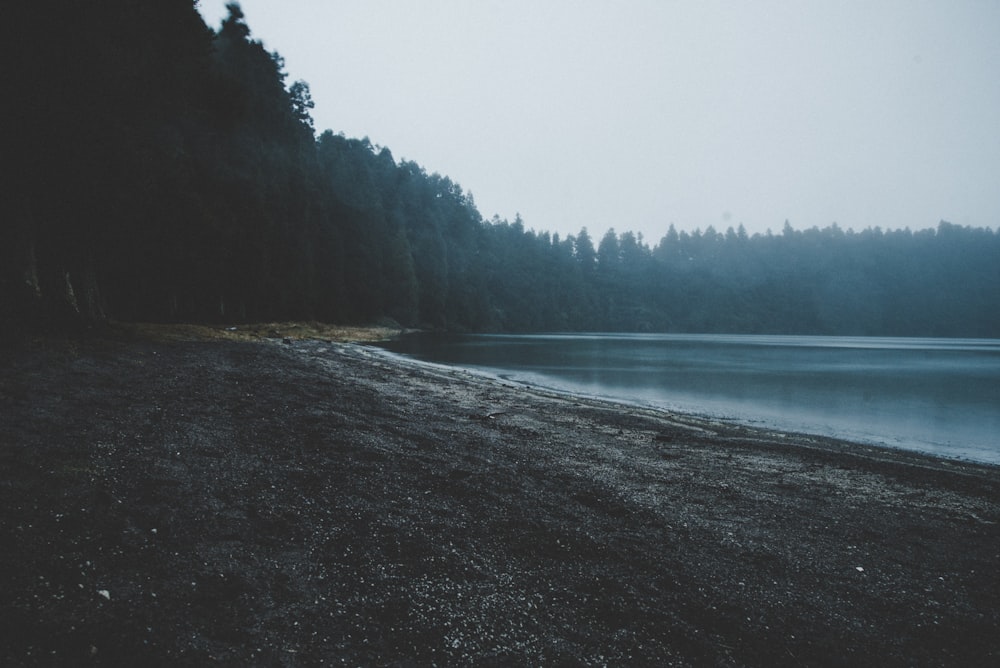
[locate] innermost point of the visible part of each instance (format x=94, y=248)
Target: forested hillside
x=156, y=169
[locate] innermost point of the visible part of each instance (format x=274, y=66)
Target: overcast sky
x=635, y=114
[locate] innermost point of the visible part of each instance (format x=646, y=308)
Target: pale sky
x=636, y=114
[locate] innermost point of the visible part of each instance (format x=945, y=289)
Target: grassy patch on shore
x=256, y=332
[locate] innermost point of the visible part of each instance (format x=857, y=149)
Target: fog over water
x=940, y=396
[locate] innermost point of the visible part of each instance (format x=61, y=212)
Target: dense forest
x=157, y=169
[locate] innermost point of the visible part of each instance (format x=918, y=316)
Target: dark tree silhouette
x=157, y=169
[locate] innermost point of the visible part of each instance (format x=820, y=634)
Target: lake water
x=940, y=396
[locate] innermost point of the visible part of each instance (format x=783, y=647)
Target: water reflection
x=935, y=395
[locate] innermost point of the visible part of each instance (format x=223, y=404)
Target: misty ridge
x=160, y=170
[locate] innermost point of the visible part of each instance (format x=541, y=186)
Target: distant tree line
x=156, y=169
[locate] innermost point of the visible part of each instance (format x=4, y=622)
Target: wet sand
x=179, y=502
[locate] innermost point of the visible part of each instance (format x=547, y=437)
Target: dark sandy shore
x=304, y=504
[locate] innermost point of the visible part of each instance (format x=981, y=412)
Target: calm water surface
x=934, y=395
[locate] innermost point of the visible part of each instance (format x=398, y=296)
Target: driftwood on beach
x=243, y=503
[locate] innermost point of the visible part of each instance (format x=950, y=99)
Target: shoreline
x=761, y=426
x=949, y=414
x=290, y=503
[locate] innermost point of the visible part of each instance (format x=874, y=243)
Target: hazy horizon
x=644, y=114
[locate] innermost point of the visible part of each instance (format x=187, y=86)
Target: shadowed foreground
x=238, y=503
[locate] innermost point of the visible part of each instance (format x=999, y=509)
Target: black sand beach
x=309, y=503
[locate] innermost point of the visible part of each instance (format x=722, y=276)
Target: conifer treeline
x=160, y=170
